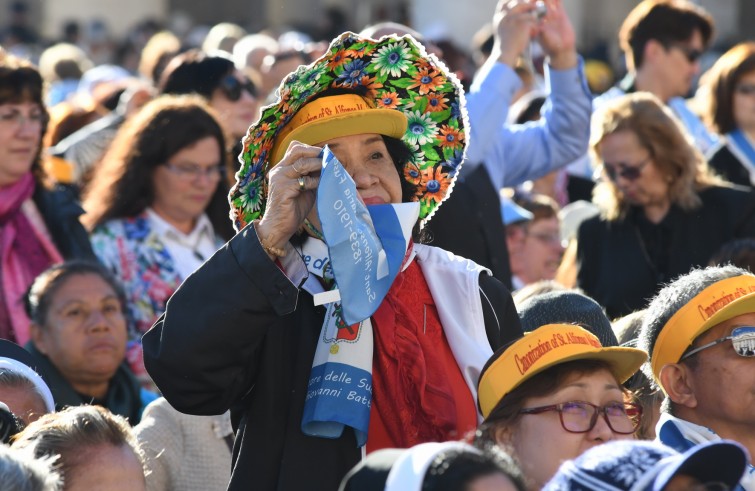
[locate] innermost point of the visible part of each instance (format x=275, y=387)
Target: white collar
x=203, y=228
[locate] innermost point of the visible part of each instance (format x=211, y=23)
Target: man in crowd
x=498, y=156
x=699, y=334
x=663, y=41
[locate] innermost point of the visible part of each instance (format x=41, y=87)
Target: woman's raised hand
x=292, y=189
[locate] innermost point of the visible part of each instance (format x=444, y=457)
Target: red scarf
x=24, y=253
x=411, y=388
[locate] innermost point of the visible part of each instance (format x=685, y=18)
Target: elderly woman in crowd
x=39, y=224
x=79, y=339
x=311, y=384
x=662, y=210
x=157, y=205
x=727, y=92
x=96, y=449
x=555, y=393
x=24, y=392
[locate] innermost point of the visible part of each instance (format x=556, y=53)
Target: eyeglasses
x=742, y=340
x=580, y=417
x=188, y=172
x=19, y=118
x=625, y=171
x=745, y=89
x=692, y=54
x=231, y=87
x=546, y=238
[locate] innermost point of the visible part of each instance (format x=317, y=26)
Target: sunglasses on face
x=625, y=171
x=692, y=54
x=742, y=340
x=580, y=416
x=231, y=87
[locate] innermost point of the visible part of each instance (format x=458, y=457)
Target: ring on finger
x=302, y=184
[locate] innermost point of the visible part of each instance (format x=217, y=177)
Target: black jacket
x=614, y=266
x=728, y=166
x=61, y=211
x=470, y=224
x=238, y=334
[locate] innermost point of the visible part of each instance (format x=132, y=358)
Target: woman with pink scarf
x=39, y=224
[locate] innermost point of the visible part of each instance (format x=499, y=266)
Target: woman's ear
x=675, y=380
x=503, y=436
x=38, y=337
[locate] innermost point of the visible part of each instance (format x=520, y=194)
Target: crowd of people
x=375, y=262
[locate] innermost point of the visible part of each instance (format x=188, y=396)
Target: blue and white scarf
x=364, y=253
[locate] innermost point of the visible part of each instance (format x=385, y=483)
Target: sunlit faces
x=85, y=331
x=24, y=402
x=20, y=134
x=106, y=468
x=539, y=441
x=623, y=149
x=743, y=102
x=365, y=157
x=237, y=114
x=681, y=64
x=185, y=185
x=541, y=253
x=723, y=383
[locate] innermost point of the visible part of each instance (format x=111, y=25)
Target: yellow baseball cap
x=543, y=348
x=338, y=115
x=715, y=304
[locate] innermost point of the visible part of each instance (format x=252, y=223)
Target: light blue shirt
x=513, y=154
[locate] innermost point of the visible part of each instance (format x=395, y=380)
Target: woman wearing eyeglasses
x=157, y=204
x=727, y=92
x=39, y=222
x=662, y=210
x=555, y=393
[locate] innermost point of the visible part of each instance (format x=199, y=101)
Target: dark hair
x=738, y=252
x=122, y=185
x=10, y=424
x=46, y=285
x=195, y=72
x=665, y=21
x=73, y=433
x=720, y=83
x=673, y=297
x=455, y=470
x=506, y=411
x=21, y=82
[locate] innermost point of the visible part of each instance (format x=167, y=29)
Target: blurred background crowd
x=121, y=124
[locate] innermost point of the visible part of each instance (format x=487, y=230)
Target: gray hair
x=673, y=297
x=20, y=471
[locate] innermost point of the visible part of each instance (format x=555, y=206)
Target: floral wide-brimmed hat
x=392, y=73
